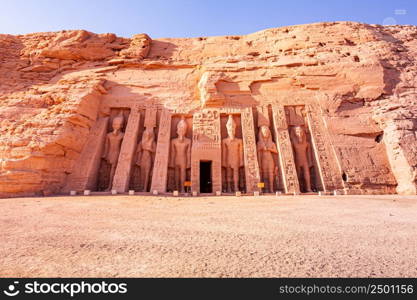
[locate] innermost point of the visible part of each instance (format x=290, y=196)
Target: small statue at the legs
x=145, y=156
x=302, y=155
x=112, y=147
x=181, y=155
x=266, y=151
x=232, y=156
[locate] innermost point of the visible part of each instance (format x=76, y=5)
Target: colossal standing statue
x=112, y=147
x=145, y=156
x=232, y=156
x=266, y=151
x=302, y=154
x=181, y=155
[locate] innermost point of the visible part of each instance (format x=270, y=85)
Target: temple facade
x=268, y=148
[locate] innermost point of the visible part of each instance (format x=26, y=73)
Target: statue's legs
x=112, y=171
x=229, y=176
x=271, y=181
x=236, y=179
x=177, y=178
x=145, y=177
x=306, y=173
x=224, y=179
x=183, y=176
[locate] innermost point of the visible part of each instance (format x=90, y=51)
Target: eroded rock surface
x=361, y=80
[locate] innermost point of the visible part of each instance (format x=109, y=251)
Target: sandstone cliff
x=362, y=77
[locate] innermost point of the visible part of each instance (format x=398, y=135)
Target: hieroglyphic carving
x=206, y=146
x=127, y=151
x=250, y=153
x=286, y=156
x=326, y=161
x=85, y=178
x=160, y=169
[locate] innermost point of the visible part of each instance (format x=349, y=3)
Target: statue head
x=182, y=127
x=231, y=127
x=299, y=132
x=118, y=122
x=264, y=132
x=148, y=133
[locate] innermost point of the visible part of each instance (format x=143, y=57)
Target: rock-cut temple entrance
x=206, y=185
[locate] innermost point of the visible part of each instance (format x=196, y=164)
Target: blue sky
x=192, y=18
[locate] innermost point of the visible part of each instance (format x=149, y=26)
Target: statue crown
x=231, y=122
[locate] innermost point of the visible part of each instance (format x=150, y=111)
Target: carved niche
x=144, y=157
x=111, y=150
x=180, y=153
x=305, y=164
x=267, y=151
x=232, y=156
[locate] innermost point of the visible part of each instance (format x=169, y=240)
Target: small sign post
x=261, y=185
x=187, y=185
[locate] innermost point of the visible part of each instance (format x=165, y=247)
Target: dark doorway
x=205, y=177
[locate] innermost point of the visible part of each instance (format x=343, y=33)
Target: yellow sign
x=187, y=183
x=261, y=184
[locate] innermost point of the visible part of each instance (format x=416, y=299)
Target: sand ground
x=267, y=236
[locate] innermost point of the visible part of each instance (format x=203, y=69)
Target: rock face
x=350, y=87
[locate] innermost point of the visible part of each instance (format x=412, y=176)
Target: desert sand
x=266, y=236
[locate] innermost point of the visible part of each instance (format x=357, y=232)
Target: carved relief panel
x=206, y=151
x=285, y=151
x=325, y=159
x=250, y=153
x=160, y=168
